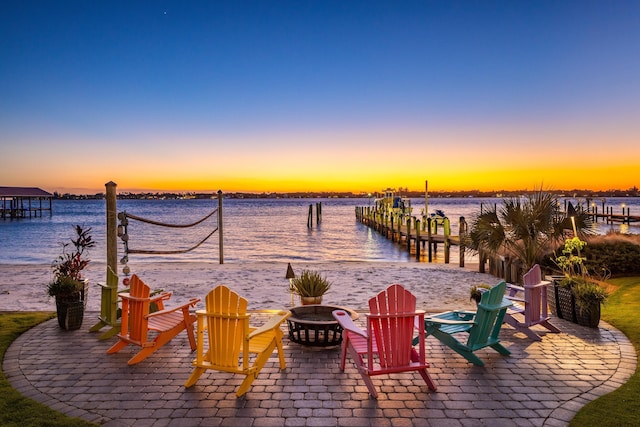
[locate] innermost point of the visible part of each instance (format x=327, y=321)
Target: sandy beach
x=437, y=286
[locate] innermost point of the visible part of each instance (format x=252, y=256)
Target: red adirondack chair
x=137, y=321
x=385, y=347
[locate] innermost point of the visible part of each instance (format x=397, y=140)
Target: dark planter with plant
x=68, y=286
x=310, y=286
x=476, y=291
x=579, y=296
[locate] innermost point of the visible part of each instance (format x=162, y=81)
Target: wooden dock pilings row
x=416, y=233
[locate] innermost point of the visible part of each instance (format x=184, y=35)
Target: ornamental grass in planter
x=310, y=286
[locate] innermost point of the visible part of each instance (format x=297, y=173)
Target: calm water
x=253, y=230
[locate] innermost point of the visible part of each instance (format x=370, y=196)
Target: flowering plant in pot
x=68, y=285
x=310, y=286
x=580, y=294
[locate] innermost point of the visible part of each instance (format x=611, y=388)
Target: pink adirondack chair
x=385, y=347
x=529, y=304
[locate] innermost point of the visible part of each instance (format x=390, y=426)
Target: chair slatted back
x=137, y=308
x=391, y=324
x=489, y=317
x=228, y=329
x=535, y=296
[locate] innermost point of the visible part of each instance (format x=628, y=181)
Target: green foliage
x=526, y=228
x=621, y=407
x=476, y=291
x=570, y=262
x=620, y=258
x=68, y=267
x=576, y=275
x=15, y=409
x=310, y=284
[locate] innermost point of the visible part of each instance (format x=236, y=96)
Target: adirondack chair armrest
x=461, y=317
x=515, y=299
x=161, y=296
x=192, y=302
x=346, y=322
x=433, y=320
x=538, y=285
x=514, y=288
x=274, y=322
x=505, y=303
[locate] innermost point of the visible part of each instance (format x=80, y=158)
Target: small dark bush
x=618, y=258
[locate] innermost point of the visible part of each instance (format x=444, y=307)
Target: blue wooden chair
x=482, y=326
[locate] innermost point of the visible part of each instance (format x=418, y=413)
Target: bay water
x=253, y=230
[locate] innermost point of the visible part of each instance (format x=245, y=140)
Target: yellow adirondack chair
x=137, y=321
x=225, y=323
x=386, y=347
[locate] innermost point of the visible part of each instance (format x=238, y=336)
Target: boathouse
x=23, y=202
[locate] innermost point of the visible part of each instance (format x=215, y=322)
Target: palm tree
x=527, y=228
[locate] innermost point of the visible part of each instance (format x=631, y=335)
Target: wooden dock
x=23, y=202
x=418, y=234
x=607, y=214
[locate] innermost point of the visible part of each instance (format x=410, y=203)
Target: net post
x=220, y=248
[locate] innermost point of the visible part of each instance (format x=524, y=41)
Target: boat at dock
x=393, y=203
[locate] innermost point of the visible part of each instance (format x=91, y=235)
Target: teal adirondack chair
x=482, y=326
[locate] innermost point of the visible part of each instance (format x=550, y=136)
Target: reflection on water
x=254, y=230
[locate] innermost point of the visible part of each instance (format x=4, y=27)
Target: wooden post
x=318, y=212
x=310, y=217
x=429, y=239
x=220, y=240
x=417, y=239
x=446, y=229
x=112, y=226
x=462, y=235
x=409, y=234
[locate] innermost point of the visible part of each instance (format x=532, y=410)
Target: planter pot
x=552, y=295
x=70, y=308
x=311, y=300
x=566, y=303
x=589, y=316
x=70, y=314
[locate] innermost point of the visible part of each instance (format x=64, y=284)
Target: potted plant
x=476, y=291
x=579, y=295
x=310, y=286
x=68, y=286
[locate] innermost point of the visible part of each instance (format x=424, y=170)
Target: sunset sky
x=319, y=95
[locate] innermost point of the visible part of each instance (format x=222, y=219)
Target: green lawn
x=619, y=408
x=16, y=410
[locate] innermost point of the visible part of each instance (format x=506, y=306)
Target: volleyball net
x=147, y=236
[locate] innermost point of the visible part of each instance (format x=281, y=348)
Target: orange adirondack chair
x=226, y=325
x=137, y=321
x=385, y=347
x=529, y=304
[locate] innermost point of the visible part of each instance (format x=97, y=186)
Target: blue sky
x=251, y=95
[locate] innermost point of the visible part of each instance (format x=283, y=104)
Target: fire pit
x=313, y=325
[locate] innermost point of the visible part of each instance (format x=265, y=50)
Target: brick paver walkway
x=541, y=384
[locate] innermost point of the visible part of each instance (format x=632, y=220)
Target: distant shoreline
x=585, y=194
